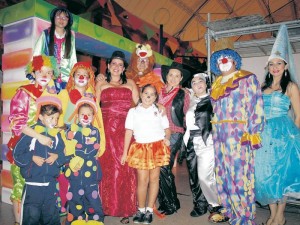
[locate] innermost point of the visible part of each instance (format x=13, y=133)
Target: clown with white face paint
x=236, y=126
x=85, y=173
x=80, y=85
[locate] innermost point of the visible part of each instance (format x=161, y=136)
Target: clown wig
x=222, y=53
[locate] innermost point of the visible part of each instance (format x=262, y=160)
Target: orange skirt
x=147, y=156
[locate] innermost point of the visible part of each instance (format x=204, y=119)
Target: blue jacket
x=27, y=147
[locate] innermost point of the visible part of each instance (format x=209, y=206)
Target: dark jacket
x=27, y=147
x=177, y=113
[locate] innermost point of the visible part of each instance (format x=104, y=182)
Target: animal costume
x=237, y=122
x=147, y=76
x=83, y=197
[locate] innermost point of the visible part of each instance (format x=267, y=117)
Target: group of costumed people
x=72, y=132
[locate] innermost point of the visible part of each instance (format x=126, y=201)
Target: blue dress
x=277, y=163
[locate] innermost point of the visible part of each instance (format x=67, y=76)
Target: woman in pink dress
x=116, y=94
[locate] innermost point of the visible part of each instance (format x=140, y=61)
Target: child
x=83, y=195
x=149, y=152
x=39, y=165
x=58, y=41
x=22, y=111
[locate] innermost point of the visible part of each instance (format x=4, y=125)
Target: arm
x=294, y=94
x=127, y=139
x=135, y=91
x=167, y=136
x=254, y=109
x=22, y=156
x=98, y=89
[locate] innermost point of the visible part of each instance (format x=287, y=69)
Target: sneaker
x=138, y=217
x=148, y=218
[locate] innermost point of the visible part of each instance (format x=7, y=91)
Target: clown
x=141, y=67
x=237, y=124
x=42, y=69
x=83, y=195
x=81, y=84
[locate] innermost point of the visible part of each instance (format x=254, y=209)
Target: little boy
x=39, y=165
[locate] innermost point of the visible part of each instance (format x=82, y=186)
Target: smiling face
x=199, y=86
x=49, y=121
x=43, y=76
x=142, y=64
x=81, y=77
x=116, y=67
x=148, y=96
x=85, y=115
x=61, y=19
x=276, y=67
x=174, y=77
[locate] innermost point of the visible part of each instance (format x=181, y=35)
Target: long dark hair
x=284, y=82
x=68, y=42
x=123, y=74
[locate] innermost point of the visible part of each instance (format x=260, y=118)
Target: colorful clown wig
x=42, y=60
x=86, y=66
x=221, y=53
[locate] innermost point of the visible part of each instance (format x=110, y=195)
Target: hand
x=123, y=159
x=100, y=77
x=52, y=158
x=44, y=140
x=167, y=142
x=161, y=109
x=38, y=160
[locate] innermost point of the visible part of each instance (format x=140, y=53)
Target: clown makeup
x=43, y=76
x=81, y=77
x=148, y=96
x=85, y=115
x=225, y=63
x=50, y=121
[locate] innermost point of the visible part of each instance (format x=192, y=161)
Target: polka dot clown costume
x=84, y=171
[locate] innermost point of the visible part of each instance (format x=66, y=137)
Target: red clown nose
x=85, y=117
x=224, y=60
x=81, y=77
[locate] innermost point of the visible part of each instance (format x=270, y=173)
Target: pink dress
x=118, y=185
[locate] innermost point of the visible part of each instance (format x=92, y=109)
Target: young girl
x=22, y=112
x=39, y=165
x=150, y=150
x=58, y=41
x=83, y=195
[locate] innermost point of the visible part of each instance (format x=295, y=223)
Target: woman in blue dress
x=277, y=174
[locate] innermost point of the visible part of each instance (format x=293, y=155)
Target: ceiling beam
x=266, y=8
x=294, y=10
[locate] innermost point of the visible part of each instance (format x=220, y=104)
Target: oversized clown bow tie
x=51, y=131
x=84, y=130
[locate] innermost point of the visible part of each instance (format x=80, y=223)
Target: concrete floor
x=182, y=217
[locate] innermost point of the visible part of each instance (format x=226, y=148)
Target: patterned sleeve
x=254, y=108
x=19, y=108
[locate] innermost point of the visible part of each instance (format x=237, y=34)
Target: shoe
x=148, y=218
x=167, y=212
x=196, y=212
x=138, y=217
x=217, y=217
x=125, y=220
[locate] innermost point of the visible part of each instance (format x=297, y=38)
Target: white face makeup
x=81, y=77
x=225, y=63
x=86, y=116
x=43, y=76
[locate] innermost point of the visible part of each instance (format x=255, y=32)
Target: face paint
x=85, y=119
x=81, y=81
x=43, y=81
x=225, y=64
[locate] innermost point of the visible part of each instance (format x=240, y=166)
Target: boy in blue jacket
x=39, y=165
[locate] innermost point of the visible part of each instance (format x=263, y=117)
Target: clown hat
x=86, y=100
x=49, y=99
x=282, y=50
